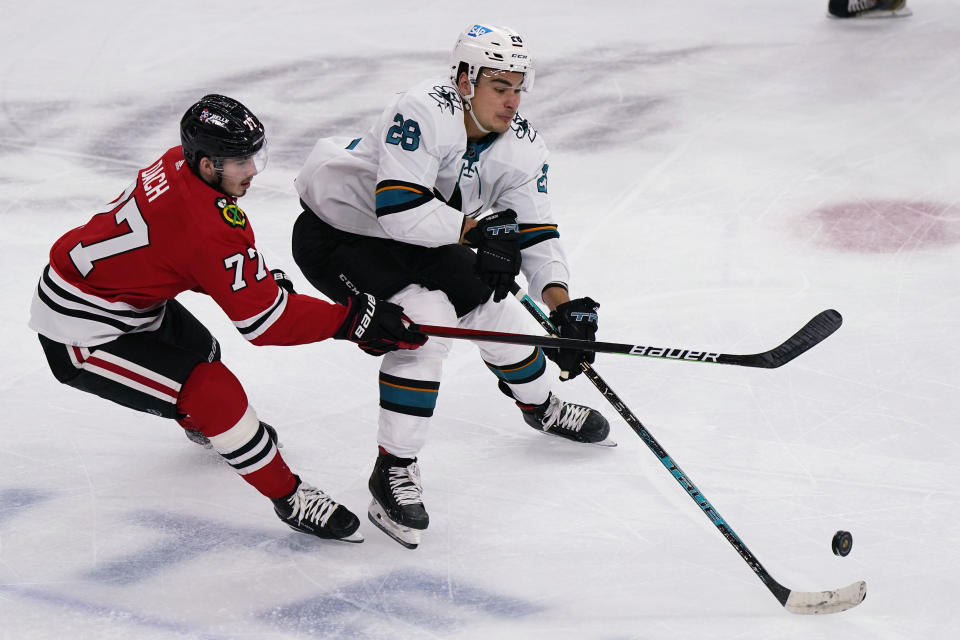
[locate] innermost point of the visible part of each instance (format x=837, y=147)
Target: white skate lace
x=310, y=503
x=564, y=415
x=405, y=484
x=860, y=5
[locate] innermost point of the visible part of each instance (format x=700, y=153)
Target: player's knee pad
x=508, y=318
x=427, y=307
x=213, y=398
x=497, y=316
x=519, y=366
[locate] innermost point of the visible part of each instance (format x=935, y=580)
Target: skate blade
x=356, y=536
x=896, y=13
x=606, y=442
x=906, y=12
x=409, y=538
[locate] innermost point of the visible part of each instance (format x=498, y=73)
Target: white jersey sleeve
x=382, y=184
x=336, y=184
x=416, y=136
x=523, y=188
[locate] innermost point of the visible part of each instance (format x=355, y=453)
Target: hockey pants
x=434, y=285
x=175, y=372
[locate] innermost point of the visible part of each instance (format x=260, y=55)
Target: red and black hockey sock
x=217, y=406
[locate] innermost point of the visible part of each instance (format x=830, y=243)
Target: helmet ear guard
x=490, y=47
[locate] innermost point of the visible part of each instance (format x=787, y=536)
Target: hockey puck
x=842, y=543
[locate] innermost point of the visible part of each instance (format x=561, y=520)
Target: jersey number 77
x=123, y=209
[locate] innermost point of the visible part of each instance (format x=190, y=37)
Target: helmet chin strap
x=477, y=122
x=468, y=107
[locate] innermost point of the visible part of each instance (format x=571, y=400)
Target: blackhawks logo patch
x=231, y=213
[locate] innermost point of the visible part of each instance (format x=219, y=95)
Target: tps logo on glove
x=574, y=319
x=497, y=239
x=506, y=228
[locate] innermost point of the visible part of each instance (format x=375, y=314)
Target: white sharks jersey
x=413, y=177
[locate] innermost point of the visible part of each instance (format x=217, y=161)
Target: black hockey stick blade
x=818, y=329
x=812, y=333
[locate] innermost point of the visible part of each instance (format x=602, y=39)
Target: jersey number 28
x=405, y=133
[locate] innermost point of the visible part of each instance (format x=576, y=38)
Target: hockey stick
x=802, y=602
x=815, y=331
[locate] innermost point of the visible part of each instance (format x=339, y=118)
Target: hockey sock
x=384, y=452
x=216, y=405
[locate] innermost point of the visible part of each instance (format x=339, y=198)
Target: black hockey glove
x=574, y=319
x=377, y=326
x=497, y=239
x=283, y=281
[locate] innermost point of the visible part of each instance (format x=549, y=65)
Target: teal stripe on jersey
x=404, y=395
x=394, y=196
x=523, y=371
x=531, y=234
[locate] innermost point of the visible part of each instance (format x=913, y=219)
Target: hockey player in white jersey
x=404, y=212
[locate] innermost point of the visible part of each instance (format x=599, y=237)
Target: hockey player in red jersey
x=109, y=325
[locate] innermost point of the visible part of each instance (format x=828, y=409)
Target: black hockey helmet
x=219, y=127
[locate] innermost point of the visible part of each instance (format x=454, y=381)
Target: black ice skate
x=868, y=9
x=397, y=508
x=568, y=420
x=197, y=436
x=310, y=510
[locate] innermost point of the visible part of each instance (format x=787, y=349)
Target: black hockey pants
x=339, y=264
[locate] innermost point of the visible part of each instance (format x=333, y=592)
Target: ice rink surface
x=721, y=171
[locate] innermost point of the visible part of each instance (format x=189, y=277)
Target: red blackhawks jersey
x=168, y=232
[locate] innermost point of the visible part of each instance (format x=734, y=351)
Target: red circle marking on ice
x=885, y=226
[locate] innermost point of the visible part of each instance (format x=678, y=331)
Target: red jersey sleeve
x=303, y=317
x=228, y=267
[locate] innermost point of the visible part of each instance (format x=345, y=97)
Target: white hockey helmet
x=491, y=47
